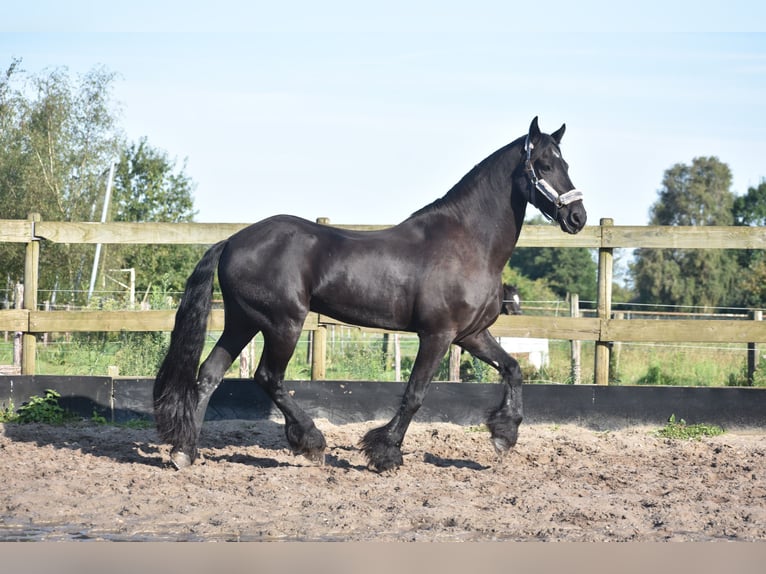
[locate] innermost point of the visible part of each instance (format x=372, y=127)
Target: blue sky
x=365, y=112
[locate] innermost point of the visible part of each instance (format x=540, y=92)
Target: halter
x=546, y=189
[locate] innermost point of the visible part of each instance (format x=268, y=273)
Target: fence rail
x=604, y=329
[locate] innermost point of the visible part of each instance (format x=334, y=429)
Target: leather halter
x=544, y=188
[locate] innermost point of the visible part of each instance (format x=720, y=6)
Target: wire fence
x=357, y=355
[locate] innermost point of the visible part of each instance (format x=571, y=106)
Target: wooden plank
x=326, y=320
x=552, y=236
x=685, y=237
x=563, y=328
x=684, y=330
x=580, y=328
x=209, y=233
x=136, y=233
x=14, y=319
x=531, y=235
x=567, y=328
x=311, y=322
x=16, y=231
x=70, y=321
x=656, y=237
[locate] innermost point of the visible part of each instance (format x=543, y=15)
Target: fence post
x=318, y=353
x=454, y=363
x=574, y=311
x=752, y=352
x=31, y=270
x=604, y=304
x=319, y=339
x=397, y=358
x=245, y=359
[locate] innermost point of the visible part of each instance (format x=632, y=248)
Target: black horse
x=511, y=301
x=436, y=274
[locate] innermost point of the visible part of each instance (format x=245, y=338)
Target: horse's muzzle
x=573, y=219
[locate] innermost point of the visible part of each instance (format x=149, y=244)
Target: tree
x=58, y=137
x=563, y=269
x=149, y=187
x=12, y=171
x=750, y=209
x=529, y=289
x=696, y=194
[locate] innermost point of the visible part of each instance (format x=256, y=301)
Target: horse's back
x=286, y=266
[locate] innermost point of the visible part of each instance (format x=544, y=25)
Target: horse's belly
x=362, y=314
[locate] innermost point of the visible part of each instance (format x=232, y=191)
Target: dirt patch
x=560, y=483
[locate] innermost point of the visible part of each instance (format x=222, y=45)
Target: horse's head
x=511, y=303
x=546, y=176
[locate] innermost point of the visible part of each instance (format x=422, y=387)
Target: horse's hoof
x=315, y=456
x=382, y=453
x=502, y=445
x=180, y=459
x=386, y=466
x=307, y=442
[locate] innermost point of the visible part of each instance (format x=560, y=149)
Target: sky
x=363, y=112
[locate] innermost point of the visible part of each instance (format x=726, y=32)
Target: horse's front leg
x=382, y=446
x=504, y=421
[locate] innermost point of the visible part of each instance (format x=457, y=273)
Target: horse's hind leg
x=210, y=375
x=302, y=435
x=504, y=421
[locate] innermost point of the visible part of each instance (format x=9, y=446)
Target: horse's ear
x=557, y=135
x=534, y=132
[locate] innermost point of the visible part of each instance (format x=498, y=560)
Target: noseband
x=543, y=187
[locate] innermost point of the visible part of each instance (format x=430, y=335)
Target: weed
x=98, y=419
x=678, y=429
x=8, y=413
x=44, y=410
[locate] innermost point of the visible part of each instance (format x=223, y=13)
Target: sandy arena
x=561, y=483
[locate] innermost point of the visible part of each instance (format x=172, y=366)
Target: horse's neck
x=482, y=206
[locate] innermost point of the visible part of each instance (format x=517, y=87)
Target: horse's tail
x=175, y=388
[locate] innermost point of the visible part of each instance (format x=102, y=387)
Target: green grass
x=694, y=364
x=678, y=429
x=353, y=355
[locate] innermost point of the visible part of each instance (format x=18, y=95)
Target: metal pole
x=104, y=212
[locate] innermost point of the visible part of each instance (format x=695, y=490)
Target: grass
x=352, y=355
x=714, y=365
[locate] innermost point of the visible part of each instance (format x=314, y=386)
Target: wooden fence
x=604, y=329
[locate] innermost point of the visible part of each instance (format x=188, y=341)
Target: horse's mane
x=465, y=189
